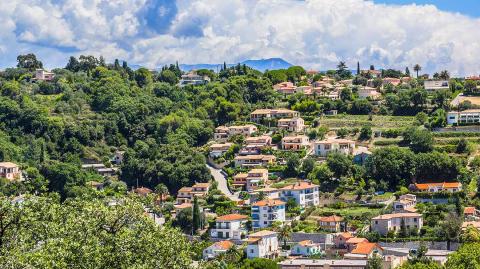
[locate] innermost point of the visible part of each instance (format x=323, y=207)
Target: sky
x=317, y=34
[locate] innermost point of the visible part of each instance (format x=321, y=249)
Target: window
x=251, y=250
x=376, y=222
x=414, y=219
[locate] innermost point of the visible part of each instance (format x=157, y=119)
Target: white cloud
x=313, y=33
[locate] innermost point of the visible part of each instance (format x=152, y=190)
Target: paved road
x=222, y=183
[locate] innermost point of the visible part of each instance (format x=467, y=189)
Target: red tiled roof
x=231, y=217
x=365, y=248
x=269, y=202
x=302, y=185
x=331, y=219
x=469, y=210
x=224, y=244
x=445, y=185
x=356, y=240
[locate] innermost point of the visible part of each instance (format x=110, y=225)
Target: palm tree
x=161, y=190
x=284, y=233
x=417, y=68
x=444, y=75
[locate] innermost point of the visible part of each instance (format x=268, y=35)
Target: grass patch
x=358, y=121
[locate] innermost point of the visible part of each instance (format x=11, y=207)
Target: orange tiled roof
x=262, y=233
x=356, y=240
x=305, y=243
x=201, y=185
x=397, y=215
x=445, y=185
x=185, y=189
x=143, y=191
x=331, y=219
x=365, y=248
x=469, y=210
x=231, y=217
x=346, y=235
x=269, y=202
x=224, y=244
x=301, y=185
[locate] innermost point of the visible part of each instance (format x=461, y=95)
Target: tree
x=168, y=77
x=445, y=75
x=375, y=262
x=143, y=77
x=365, y=133
x=259, y=263
x=73, y=64
x=417, y=68
x=284, y=234
x=161, y=190
x=29, y=61
x=358, y=68
x=419, y=140
x=293, y=164
x=450, y=228
x=470, y=235
x=196, y=218
x=462, y=146
x=407, y=71
x=342, y=132
x=467, y=256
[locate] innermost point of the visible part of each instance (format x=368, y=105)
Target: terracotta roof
x=331, y=219
x=301, y=185
x=397, y=215
x=469, y=210
x=269, y=202
x=475, y=224
x=143, y=191
x=231, y=217
x=258, y=171
x=444, y=185
x=240, y=175
x=305, y=243
x=224, y=244
x=356, y=240
x=183, y=206
x=185, y=189
x=346, y=235
x=365, y=248
x=262, y=233
x=201, y=185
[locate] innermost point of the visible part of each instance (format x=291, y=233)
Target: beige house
x=186, y=194
x=331, y=223
x=10, y=171
x=298, y=142
x=393, y=222
x=254, y=179
x=217, y=150
x=254, y=160
x=324, y=147
x=222, y=133
x=285, y=87
x=406, y=203
x=296, y=124
x=43, y=75
x=261, y=141
x=279, y=113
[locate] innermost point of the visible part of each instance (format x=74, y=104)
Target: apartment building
x=262, y=244
x=305, y=194
x=296, y=124
x=295, y=143
x=232, y=226
x=266, y=212
x=393, y=222
x=324, y=147
x=470, y=116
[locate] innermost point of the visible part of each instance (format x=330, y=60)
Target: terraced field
x=358, y=121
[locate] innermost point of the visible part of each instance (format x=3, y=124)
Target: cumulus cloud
x=313, y=33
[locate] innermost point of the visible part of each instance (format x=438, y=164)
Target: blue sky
x=316, y=34
x=467, y=7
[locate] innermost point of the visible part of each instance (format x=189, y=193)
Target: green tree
x=196, y=217
x=467, y=256
x=29, y=61
x=168, y=76
x=419, y=140
x=259, y=263
x=365, y=133
x=161, y=190
x=375, y=262
x=284, y=234
x=143, y=77
x=417, y=68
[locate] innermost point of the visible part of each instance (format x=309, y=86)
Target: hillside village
x=306, y=169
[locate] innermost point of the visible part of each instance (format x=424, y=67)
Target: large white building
x=230, y=226
x=262, y=244
x=470, y=116
x=266, y=212
x=324, y=147
x=393, y=222
x=305, y=194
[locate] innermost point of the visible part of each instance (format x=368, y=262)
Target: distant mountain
x=260, y=65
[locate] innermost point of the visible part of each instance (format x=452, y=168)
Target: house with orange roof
x=268, y=192
x=186, y=194
x=324, y=147
x=296, y=124
x=332, y=223
x=352, y=242
x=304, y=193
x=394, y=222
x=295, y=143
x=262, y=141
x=266, y=212
x=340, y=240
x=437, y=187
x=368, y=92
x=471, y=213
x=254, y=160
x=265, y=114
x=217, y=249
x=262, y=244
x=181, y=207
x=285, y=87
x=306, y=248
x=142, y=191
x=372, y=73
x=10, y=171
x=231, y=226
x=366, y=250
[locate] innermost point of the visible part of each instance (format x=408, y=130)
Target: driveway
x=222, y=183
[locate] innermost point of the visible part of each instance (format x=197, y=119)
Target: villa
x=217, y=150
x=222, y=133
x=232, y=226
x=254, y=160
x=306, y=248
x=261, y=114
x=437, y=187
x=332, y=223
x=10, y=171
x=192, y=78
x=262, y=244
x=43, y=75
x=393, y=222
x=291, y=125
x=324, y=147
x=252, y=180
x=216, y=249
x=295, y=143
x=406, y=203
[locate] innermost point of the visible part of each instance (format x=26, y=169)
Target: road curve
x=222, y=183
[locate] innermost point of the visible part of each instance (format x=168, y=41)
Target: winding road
x=222, y=183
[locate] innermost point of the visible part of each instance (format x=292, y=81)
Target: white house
x=306, y=248
x=230, y=226
x=42, y=75
x=278, y=113
x=368, y=92
x=393, y=222
x=305, y=194
x=406, y=203
x=324, y=147
x=470, y=116
x=437, y=187
x=296, y=124
x=266, y=212
x=216, y=249
x=262, y=244
x=433, y=85
x=10, y=171
x=192, y=78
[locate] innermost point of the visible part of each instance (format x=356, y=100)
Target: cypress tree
x=196, y=216
x=224, y=66
x=358, y=68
